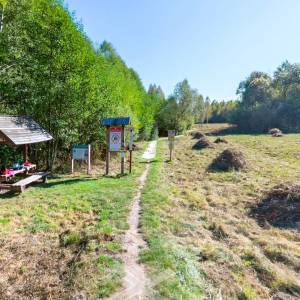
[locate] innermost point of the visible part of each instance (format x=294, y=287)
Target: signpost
x=115, y=139
x=81, y=152
x=171, y=139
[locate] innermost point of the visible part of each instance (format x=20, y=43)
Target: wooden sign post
x=115, y=139
x=81, y=152
x=171, y=139
x=107, y=152
x=130, y=148
x=123, y=151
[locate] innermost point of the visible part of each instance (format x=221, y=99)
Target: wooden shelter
x=22, y=131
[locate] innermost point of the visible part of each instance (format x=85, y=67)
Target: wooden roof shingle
x=21, y=130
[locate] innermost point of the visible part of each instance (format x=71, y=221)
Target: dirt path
x=134, y=281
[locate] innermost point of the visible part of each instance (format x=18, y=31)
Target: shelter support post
x=89, y=160
x=25, y=152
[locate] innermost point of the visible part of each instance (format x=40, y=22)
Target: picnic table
x=22, y=184
x=25, y=170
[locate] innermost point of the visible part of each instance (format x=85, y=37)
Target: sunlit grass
x=86, y=214
x=206, y=214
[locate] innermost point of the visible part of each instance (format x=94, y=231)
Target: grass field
x=202, y=240
x=63, y=238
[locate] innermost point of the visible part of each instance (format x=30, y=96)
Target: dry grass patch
x=208, y=214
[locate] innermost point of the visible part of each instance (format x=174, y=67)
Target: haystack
x=275, y=132
x=229, y=159
x=220, y=140
x=198, y=135
x=279, y=207
x=203, y=143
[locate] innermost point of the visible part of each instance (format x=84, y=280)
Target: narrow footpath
x=134, y=281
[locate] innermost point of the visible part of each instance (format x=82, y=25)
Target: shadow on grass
x=116, y=176
x=225, y=131
x=63, y=182
x=151, y=161
x=8, y=195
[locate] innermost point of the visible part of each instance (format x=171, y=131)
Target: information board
x=80, y=152
x=115, y=139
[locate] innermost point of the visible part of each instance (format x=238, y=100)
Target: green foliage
x=182, y=109
x=71, y=239
x=221, y=111
x=51, y=71
x=265, y=102
x=112, y=272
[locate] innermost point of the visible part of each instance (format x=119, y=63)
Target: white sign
x=80, y=152
x=171, y=138
x=115, y=138
x=171, y=134
x=131, y=139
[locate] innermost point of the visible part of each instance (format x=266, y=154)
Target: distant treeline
x=265, y=102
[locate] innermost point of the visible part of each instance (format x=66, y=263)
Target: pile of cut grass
x=198, y=135
x=275, y=132
x=220, y=140
x=279, y=207
x=202, y=144
x=229, y=159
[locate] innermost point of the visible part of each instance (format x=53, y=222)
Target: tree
x=2, y=7
x=256, y=89
x=198, y=107
x=207, y=110
x=184, y=95
x=51, y=71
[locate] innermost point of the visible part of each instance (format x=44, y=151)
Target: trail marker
x=81, y=152
x=171, y=139
x=115, y=139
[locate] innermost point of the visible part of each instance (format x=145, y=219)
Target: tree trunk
x=2, y=19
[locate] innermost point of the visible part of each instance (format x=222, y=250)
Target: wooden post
x=170, y=154
x=25, y=153
x=130, y=161
x=72, y=165
x=89, y=160
x=107, y=151
x=122, y=149
x=130, y=146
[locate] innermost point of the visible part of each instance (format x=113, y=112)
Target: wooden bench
x=21, y=185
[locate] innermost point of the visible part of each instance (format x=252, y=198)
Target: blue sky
x=213, y=43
